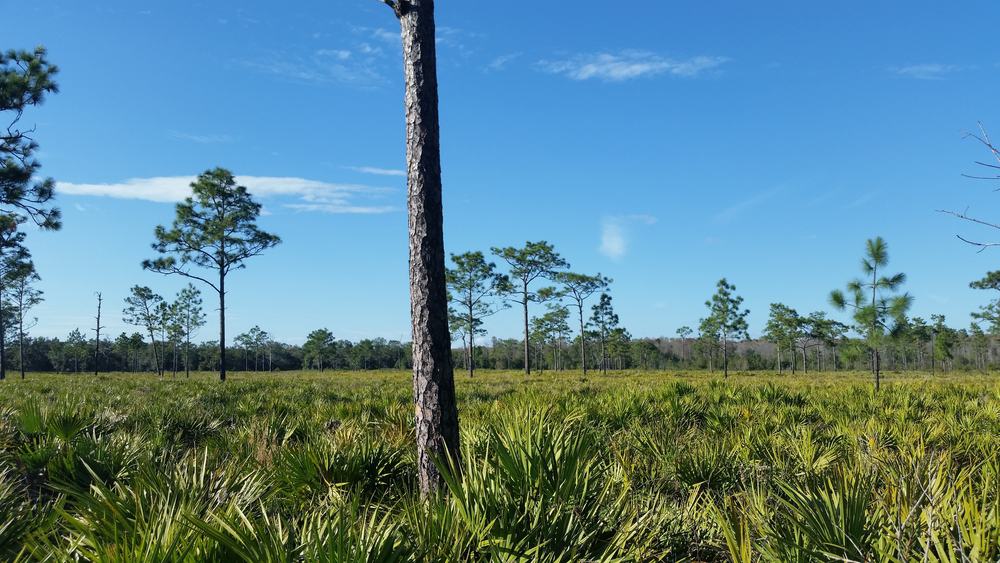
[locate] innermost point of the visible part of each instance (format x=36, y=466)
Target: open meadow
x=631, y=466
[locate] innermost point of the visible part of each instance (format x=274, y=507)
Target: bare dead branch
x=971, y=177
x=982, y=245
x=966, y=217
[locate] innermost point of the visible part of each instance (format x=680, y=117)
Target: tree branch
x=982, y=245
x=966, y=217
x=399, y=7
x=178, y=271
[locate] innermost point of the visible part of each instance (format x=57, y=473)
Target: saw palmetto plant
x=635, y=467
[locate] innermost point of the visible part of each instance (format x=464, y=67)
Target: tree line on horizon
x=162, y=341
x=215, y=231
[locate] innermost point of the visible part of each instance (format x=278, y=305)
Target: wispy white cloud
x=369, y=49
x=737, y=209
x=305, y=194
x=358, y=66
x=202, y=139
x=339, y=208
x=627, y=65
x=457, y=39
x=501, y=62
x=616, y=233
x=339, y=54
x=926, y=71
x=613, y=241
x=382, y=34
x=862, y=199
x=822, y=198
x=377, y=171
x=160, y=189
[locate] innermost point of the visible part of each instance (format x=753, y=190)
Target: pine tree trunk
x=933, y=347
x=433, y=377
x=725, y=357
x=222, y=326
x=583, y=341
x=3, y=342
x=20, y=342
x=97, y=338
x=875, y=366
x=604, y=355
x=156, y=352
x=472, y=329
x=527, y=342
x=878, y=371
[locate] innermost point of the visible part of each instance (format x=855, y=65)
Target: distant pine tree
x=215, y=229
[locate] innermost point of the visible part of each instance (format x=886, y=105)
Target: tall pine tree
x=215, y=229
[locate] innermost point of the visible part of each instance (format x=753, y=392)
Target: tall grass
x=625, y=467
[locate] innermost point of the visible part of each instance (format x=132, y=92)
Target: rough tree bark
x=3, y=342
x=527, y=341
x=222, y=324
x=433, y=376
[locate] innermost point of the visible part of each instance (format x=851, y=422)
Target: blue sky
x=665, y=144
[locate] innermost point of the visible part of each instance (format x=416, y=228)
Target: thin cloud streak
x=337, y=209
x=381, y=34
x=501, y=62
x=201, y=139
x=926, y=71
x=862, y=200
x=311, y=195
x=359, y=66
x=378, y=171
x=732, y=212
x=628, y=65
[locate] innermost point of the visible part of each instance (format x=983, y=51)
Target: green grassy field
x=628, y=466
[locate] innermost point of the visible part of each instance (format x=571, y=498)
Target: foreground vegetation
x=628, y=466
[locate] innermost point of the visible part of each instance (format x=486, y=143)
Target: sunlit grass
x=556, y=467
